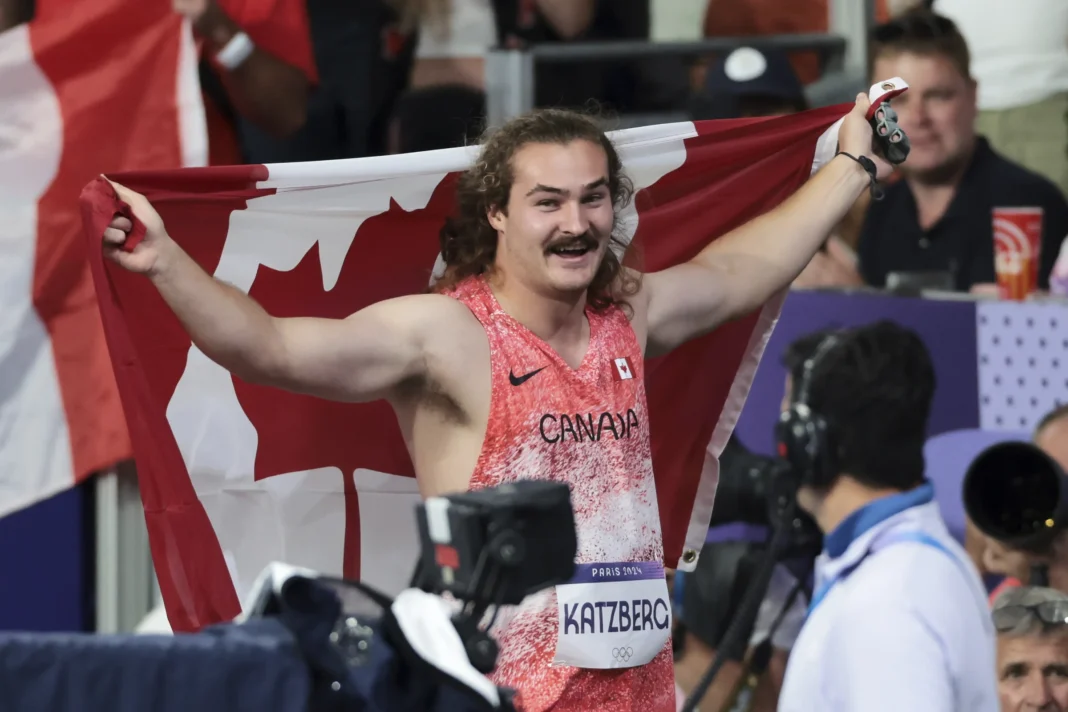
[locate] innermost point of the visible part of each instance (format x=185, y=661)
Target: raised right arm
x=364, y=357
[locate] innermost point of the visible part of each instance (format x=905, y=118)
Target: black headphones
x=802, y=435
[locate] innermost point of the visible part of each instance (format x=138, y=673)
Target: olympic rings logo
x=622, y=655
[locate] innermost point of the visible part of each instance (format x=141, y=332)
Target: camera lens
x=1012, y=493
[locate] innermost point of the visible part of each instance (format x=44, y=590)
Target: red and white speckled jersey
x=587, y=427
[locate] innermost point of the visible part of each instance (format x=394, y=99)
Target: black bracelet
x=868, y=165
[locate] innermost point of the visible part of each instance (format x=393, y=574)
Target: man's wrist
x=167, y=251
x=864, y=169
x=216, y=27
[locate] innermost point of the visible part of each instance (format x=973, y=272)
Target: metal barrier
x=510, y=73
x=125, y=581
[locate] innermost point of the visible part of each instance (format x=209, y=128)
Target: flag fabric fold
x=79, y=98
x=234, y=476
x=112, y=86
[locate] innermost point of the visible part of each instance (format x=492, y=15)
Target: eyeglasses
x=923, y=26
x=1049, y=612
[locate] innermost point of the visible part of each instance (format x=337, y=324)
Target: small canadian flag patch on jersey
x=623, y=369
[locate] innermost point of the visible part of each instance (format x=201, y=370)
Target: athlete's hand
x=855, y=136
x=145, y=258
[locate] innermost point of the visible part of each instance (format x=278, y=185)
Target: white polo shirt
x=904, y=625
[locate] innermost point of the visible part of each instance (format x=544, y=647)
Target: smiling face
x=555, y=230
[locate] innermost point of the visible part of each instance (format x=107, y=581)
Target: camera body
x=497, y=545
x=760, y=490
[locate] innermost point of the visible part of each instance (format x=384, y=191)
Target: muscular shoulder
x=433, y=316
x=449, y=338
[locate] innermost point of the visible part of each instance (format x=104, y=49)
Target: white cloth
x=908, y=629
x=470, y=32
x=1019, y=48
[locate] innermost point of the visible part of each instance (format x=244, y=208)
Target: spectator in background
x=14, y=13
x=362, y=54
x=455, y=35
x=260, y=72
x=938, y=217
x=1032, y=628
x=448, y=79
x=749, y=83
x=751, y=18
x=1020, y=51
x=446, y=103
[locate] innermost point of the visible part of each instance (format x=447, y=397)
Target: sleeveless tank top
x=587, y=427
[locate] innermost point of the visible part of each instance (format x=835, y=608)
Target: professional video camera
x=312, y=642
x=1017, y=494
x=756, y=489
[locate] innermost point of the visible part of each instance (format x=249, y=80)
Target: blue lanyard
x=916, y=536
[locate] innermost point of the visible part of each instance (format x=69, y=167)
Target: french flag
x=88, y=87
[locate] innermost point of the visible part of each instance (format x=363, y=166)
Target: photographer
x=1051, y=438
x=898, y=619
x=713, y=594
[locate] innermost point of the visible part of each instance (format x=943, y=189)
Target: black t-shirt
x=962, y=242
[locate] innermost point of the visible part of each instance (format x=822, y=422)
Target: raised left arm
x=743, y=269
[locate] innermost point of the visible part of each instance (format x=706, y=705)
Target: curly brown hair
x=469, y=242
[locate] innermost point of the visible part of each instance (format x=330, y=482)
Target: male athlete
x=533, y=322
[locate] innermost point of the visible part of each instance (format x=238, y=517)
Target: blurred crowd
x=986, y=115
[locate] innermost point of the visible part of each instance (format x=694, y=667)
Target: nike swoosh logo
x=520, y=380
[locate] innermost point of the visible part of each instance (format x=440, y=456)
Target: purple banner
x=947, y=327
x=619, y=571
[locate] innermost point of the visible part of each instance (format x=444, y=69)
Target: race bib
x=614, y=615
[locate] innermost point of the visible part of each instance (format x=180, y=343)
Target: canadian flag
x=234, y=475
x=87, y=87
x=623, y=370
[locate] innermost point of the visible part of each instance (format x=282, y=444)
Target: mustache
x=586, y=239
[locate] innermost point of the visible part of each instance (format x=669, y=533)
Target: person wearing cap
x=1032, y=652
x=749, y=83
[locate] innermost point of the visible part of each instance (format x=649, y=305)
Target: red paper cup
x=1017, y=241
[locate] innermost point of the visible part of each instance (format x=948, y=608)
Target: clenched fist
x=855, y=136
x=145, y=258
